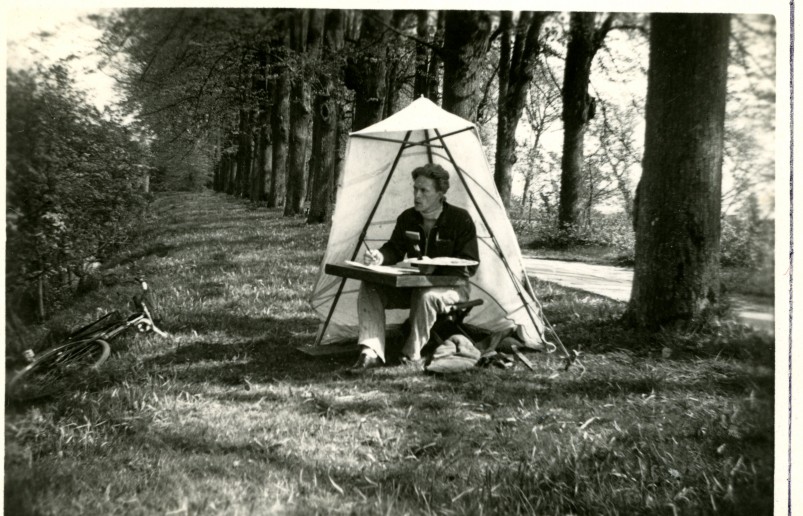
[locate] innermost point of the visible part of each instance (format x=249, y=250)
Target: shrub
x=613, y=230
x=746, y=241
x=74, y=190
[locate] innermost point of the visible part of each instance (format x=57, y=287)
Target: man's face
x=425, y=195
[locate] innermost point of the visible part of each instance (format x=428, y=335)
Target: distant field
x=228, y=418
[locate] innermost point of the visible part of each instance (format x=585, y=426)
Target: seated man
x=442, y=230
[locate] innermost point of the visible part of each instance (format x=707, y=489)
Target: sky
x=42, y=34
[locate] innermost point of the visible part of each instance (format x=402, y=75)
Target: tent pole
x=441, y=137
x=319, y=337
x=493, y=238
x=429, y=148
x=425, y=141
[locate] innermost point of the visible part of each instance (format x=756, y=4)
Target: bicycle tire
x=43, y=376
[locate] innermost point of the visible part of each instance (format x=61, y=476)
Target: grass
x=228, y=418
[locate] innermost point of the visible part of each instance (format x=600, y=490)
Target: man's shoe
x=365, y=362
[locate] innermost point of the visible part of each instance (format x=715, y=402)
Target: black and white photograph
x=427, y=258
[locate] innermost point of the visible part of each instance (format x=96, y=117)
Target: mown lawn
x=229, y=418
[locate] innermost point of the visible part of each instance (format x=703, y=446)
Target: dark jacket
x=453, y=235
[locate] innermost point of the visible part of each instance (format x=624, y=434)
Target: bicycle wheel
x=44, y=375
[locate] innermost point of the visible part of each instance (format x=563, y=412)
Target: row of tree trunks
x=515, y=75
x=678, y=201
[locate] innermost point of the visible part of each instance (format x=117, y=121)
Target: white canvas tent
x=376, y=186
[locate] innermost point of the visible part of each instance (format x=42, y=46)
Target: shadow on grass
x=274, y=331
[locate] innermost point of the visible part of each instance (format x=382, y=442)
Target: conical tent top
x=419, y=115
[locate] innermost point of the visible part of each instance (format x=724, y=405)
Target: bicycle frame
x=142, y=320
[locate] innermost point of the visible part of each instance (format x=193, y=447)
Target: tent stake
x=319, y=337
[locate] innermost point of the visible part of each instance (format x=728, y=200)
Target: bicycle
x=86, y=348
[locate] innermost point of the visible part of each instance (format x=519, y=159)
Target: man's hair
x=435, y=172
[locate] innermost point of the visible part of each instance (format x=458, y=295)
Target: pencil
x=367, y=246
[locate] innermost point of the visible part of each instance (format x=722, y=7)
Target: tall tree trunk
x=465, y=43
x=223, y=173
x=300, y=111
x=261, y=170
x=578, y=108
x=435, y=61
x=393, y=79
x=515, y=74
x=263, y=162
x=300, y=118
x=244, y=150
x=231, y=184
x=280, y=135
x=323, y=147
x=340, y=152
x=216, y=176
x=678, y=199
x=427, y=60
x=217, y=184
x=40, y=298
x=366, y=73
x=325, y=124
x=525, y=193
x=342, y=142
x=422, y=53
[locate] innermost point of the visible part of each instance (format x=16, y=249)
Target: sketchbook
x=443, y=261
x=387, y=269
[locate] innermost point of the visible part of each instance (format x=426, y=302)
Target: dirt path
x=616, y=282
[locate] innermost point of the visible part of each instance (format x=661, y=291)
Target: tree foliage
x=75, y=186
x=194, y=76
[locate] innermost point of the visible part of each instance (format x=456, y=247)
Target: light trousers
x=424, y=303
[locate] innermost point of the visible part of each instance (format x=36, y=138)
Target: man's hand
x=372, y=257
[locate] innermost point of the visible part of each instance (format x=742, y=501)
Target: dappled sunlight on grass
x=228, y=417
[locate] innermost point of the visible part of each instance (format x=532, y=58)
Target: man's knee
x=436, y=299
